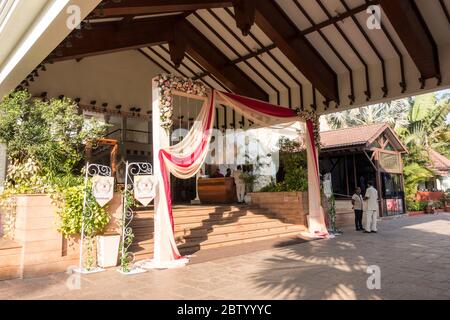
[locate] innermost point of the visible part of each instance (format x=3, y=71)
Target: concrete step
x=200, y=211
x=213, y=230
x=192, y=221
x=217, y=240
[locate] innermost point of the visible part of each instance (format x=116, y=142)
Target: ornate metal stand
x=132, y=170
x=92, y=169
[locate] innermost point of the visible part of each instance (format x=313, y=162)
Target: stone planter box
x=44, y=249
x=290, y=206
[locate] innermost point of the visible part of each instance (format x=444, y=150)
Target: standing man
x=240, y=184
x=372, y=208
x=358, y=202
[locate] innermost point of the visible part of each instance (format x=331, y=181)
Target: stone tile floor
x=413, y=254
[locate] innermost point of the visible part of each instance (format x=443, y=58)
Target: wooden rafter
x=211, y=58
x=108, y=37
x=145, y=7
x=276, y=25
x=410, y=26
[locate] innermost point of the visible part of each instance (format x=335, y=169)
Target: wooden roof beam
x=146, y=7
x=213, y=60
x=410, y=26
x=277, y=26
x=111, y=37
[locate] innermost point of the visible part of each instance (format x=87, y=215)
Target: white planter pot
x=248, y=199
x=108, y=250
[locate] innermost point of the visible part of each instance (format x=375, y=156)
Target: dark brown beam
x=278, y=27
x=212, y=59
x=444, y=8
x=146, y=7
x=110, y=37
x=245, y=15
x=410, y=26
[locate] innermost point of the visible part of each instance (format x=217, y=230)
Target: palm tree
x=426, y=127
x=394, y=113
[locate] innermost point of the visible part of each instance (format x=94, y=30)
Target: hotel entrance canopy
x=312, y=54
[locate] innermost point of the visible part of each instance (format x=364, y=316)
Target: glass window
x=389, y=161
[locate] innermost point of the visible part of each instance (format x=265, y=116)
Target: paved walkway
x=412, y=252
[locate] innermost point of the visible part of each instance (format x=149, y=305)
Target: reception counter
x=216, y=190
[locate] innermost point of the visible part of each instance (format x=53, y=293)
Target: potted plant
x=446, y=200
x=70, y=212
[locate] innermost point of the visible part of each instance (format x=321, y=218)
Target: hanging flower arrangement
x=314, y=117
x=166, y=83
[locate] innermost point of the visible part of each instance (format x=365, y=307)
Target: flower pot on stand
x=447, y=206
x=108, y=250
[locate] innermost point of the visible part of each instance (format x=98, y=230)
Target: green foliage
x=414, y=174
x=25, y=178
x=70, y=211
x=416, y=205
x=52, y=133
x=46, y=142
x=294, y=161
x=446, y=197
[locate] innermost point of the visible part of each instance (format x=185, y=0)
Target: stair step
x=201, y=211
x=215, y=243
x=209, y=238
x=145, y=251
x=217, y=229
x=206, y=220
x=148, y=228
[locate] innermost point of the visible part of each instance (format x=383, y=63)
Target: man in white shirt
x=358, y=203
x=240, y=184
x=372, y=208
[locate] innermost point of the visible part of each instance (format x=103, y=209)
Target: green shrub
x=70, y=211
x=416, y=205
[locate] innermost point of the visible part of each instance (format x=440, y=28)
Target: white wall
x=119, y=78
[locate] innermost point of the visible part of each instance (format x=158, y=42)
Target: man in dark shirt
x=217, y=174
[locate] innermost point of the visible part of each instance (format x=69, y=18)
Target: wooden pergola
x=308, y=54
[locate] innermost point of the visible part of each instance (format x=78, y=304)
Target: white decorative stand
x=91, y=171
x=132, y=171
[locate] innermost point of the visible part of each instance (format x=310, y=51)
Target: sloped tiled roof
x=440, y=164
x=353, y=136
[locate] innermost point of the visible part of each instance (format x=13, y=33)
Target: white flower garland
x=166, y=83
x=311, y=115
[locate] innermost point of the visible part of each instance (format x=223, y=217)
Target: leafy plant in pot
x=70, y=210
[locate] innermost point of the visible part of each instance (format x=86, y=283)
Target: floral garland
x=166, y=83
x=311, y=115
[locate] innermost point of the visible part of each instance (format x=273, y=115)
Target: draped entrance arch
x=185, y=158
